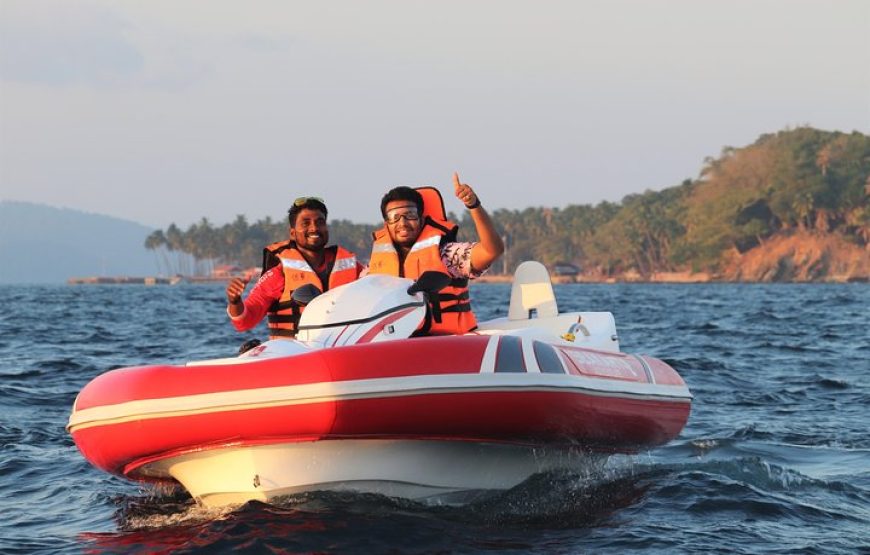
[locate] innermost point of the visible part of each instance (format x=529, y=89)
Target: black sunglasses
x=410, y=216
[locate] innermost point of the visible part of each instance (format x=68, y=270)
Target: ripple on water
x=694, y=364
x=829, y=383
x=551, y=501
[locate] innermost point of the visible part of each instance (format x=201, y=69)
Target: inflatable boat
x=355, y=402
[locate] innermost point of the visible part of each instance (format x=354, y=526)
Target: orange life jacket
x=450, y=309
x=284, y=314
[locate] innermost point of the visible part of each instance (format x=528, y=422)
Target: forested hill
x=796, y=185
x=45, y=244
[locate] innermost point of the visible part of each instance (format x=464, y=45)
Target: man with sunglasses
x=417, y=237
x=287, y=265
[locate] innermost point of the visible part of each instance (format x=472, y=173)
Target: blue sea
x=775, y=457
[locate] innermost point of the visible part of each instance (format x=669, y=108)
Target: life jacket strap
x=283, y=318
x=464, y=296
x=460, y=283
x=284, y=305
x=435, y=306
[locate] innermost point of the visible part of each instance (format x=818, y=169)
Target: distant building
x=226, y=270
x=565, y=269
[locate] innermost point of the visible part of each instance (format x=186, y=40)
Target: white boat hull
x=411, y=469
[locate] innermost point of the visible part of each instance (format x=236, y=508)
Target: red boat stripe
x=372, y=333
x=344, y=329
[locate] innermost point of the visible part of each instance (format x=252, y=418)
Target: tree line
x=796, y=179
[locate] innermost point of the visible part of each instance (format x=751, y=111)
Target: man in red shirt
x=287, y=265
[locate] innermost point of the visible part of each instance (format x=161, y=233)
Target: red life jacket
x=452, y=305
x=284, y=314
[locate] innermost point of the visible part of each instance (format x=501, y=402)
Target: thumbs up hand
x=465, y=193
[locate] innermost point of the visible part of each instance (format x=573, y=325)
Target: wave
x=745, y=488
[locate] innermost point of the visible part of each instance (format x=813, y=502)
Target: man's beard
x=408, y=240
x=312, y=243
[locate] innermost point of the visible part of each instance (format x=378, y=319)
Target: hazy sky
x=160, y=111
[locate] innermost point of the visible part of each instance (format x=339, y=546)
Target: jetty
x=221, y=273
x=101, y=280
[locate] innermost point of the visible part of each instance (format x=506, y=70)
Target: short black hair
x=402, y=193
x=310, y=203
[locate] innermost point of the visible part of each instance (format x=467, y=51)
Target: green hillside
x=794, y=181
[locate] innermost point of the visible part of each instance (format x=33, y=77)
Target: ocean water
x=775, y=457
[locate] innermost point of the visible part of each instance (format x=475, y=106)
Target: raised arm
x=490, y=246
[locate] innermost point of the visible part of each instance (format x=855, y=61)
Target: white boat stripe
x=649, y=373
x=487, y=365
x=372, y=388
x=529, y=358
x=566, y=366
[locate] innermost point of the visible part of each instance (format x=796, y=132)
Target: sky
x=166, y=112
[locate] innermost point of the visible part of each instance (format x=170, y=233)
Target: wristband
x=236, y=300
x=476, y=204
